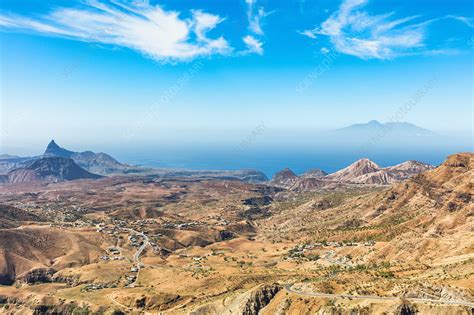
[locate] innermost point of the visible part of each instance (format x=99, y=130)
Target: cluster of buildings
x=334, y=244
x=299, y=250
x=113, y=254
x=97, y=286
x=180, y=226
x=135, y=240
x=130, y=280
x=219, y=220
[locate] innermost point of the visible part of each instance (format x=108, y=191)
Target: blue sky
x=210, y=72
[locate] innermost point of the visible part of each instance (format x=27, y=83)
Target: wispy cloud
x=325, y=51
x=309, y=33
x=151, y=30
x=468, y=21
x=253, y=45
x=255, y=17
x=354, y=31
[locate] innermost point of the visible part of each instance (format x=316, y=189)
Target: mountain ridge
x=100, y=163
x=49, y=169
x=361, y=172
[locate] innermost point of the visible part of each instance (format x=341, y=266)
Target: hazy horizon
x=327, y=150
x=214, y=72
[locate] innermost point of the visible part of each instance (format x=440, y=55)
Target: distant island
x=374, y=128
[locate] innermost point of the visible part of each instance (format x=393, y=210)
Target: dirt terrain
x=144, y=244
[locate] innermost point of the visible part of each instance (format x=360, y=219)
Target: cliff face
x=260, y=298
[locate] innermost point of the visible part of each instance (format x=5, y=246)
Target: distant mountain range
x=99, y=163
x=374, y=128
x=361, y=172
x=18, y=169
x=62, y=165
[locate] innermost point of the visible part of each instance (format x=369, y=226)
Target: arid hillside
x=141, y=244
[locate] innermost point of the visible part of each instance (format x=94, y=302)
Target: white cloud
x=325, y=51
x=468, y=21
x=253, y=45
x=308, y=33
x=255, y=16
x=355, y=32
x=156, y=33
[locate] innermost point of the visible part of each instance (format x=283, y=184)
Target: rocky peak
x=54, y=149
x=284, y=177
x=53, y=146
x=356, y=169
x=285, y=173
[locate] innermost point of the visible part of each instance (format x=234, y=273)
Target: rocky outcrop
x=225, y=235
x=258, y=201
x=406, y=309
x=260, y=298
x=40, y=275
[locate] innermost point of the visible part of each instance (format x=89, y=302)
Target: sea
x=270, y=161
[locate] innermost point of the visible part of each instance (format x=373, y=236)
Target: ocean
x=272, y=160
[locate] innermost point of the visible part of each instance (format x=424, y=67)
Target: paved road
x=136, y=256
x=289, y=288
x=136, y=259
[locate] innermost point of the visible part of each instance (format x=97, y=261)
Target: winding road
x=289, y=289
x=136, y=256
x=136, y=259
